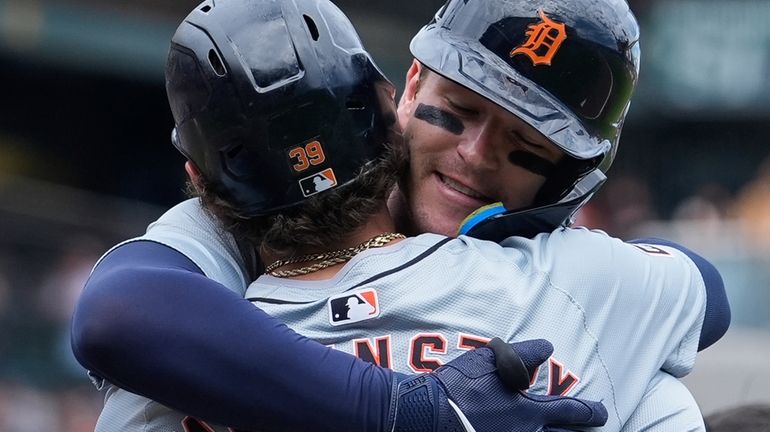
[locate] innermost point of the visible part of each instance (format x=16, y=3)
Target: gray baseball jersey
x=188, y=229
x=617, y=314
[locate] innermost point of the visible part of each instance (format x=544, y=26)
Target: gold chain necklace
x=328, y=259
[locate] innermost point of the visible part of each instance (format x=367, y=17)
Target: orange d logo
x=544, y=41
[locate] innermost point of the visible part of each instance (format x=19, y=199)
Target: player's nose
x=477, y=149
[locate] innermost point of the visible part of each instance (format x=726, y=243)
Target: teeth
x=462, y=189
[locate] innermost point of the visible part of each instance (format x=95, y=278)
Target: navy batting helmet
x=568, y=68
x=252, y=82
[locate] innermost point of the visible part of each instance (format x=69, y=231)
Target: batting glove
x=482, y=391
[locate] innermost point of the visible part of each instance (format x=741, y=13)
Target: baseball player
x=202, y=249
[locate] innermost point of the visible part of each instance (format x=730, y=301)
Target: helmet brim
x=473, y=66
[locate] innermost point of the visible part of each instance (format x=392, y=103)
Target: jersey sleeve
x=717, y=316
x=192, y=231
x=641, y=302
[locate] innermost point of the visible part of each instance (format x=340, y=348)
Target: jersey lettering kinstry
x=428, y=351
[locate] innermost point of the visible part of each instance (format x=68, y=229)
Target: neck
x=400, y=213
x=380, y=223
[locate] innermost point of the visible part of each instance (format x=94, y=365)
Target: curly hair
x=324, y=219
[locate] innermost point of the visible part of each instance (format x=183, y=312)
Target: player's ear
x=406, y=103
x=195, y=176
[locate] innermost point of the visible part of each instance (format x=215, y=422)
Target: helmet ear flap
x=568, y=172
x=498, y=224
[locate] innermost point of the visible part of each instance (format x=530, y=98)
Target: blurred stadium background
x=85, y=161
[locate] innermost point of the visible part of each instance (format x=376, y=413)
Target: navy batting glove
x=468, y=395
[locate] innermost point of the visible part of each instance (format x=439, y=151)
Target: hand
x=467, y=395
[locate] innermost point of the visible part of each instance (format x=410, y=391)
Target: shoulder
x=188, y=215
x=546, y=251
x=595, y=250
x=525, y=253
x=464, y=246
x=188, y=221
x=588, y=263
x=191, y=230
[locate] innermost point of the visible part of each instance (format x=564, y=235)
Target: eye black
x=440, y=118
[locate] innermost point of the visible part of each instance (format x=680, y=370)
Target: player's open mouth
x=461, y=188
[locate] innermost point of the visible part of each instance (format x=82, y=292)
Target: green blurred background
x=85, y=161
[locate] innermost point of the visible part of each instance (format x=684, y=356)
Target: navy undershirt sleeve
x=717, y=317
x=150, y=322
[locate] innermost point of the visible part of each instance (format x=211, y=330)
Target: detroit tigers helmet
x=567, y=68
x=275, y=100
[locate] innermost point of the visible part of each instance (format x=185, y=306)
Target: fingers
x=533, y=353
x=472, y=364
x=510, y=367
x=570, y=411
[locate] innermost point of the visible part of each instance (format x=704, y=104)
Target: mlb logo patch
x=319, y=182
x=352, y=307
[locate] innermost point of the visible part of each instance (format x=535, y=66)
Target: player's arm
x=716, y=318
x=149, y=321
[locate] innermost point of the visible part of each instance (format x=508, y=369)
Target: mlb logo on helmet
x=318, y=182
x=352, y=307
